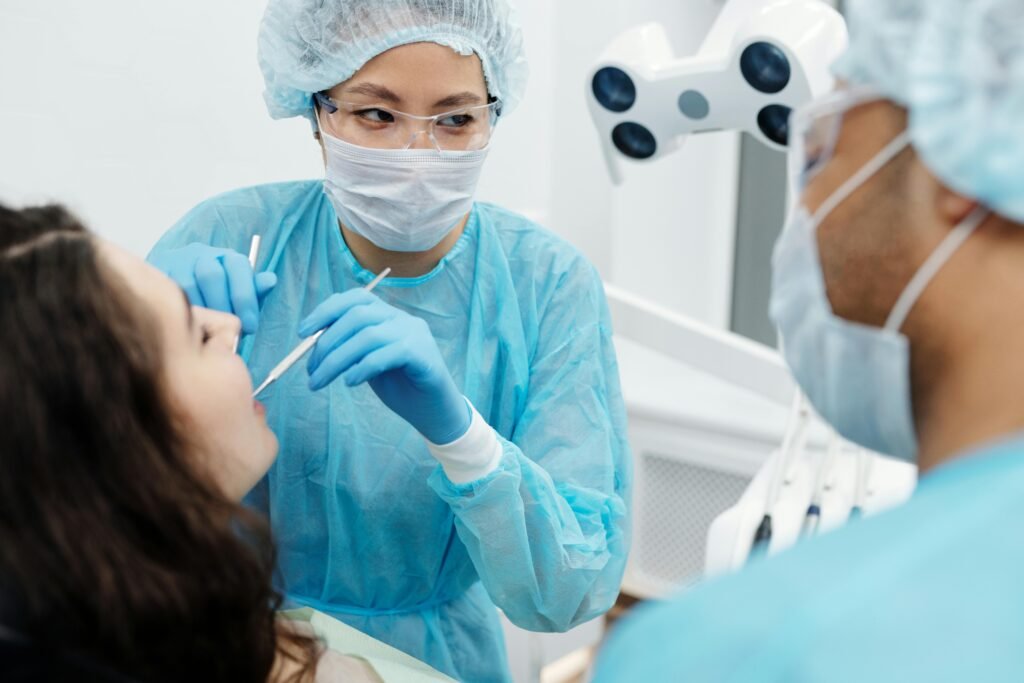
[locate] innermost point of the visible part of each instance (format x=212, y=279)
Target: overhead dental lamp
x=761, y=59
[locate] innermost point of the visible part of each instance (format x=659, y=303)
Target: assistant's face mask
x=400, y=199
x=856, y=376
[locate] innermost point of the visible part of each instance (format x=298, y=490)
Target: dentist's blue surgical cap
x=306, y=46
x=958, y=67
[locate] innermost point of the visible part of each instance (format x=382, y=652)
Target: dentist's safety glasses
x=814, y=131
x=378, y=127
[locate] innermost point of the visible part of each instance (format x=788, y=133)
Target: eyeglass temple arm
x=325, y=102
x=491, y=99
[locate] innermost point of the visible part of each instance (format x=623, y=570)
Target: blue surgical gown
x=368, y=527
x=931, y=591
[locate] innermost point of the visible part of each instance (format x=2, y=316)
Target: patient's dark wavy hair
x=114, y=550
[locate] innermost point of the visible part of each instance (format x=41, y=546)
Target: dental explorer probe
x=254, y=251
x=299, y=351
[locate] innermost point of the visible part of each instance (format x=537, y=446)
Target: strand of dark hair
x=112, y=547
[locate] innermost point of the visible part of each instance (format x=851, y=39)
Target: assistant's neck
x=969, y=369
x=402, y=264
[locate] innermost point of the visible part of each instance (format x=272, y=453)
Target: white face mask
x=856, y=376
x=400, y=199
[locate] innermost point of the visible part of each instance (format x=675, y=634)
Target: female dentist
x=459, y=439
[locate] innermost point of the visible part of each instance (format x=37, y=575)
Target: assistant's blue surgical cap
x=306, y=46
x=958, y=67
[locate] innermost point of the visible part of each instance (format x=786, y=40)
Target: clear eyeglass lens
x=816, y=129
x=382, y=128
x=820, y=142
x=813, y=143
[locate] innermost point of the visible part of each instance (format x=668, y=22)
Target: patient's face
x=209, y=383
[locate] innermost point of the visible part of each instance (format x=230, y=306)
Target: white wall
x=132, y=112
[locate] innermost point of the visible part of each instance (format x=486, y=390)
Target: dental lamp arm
x=726, y=355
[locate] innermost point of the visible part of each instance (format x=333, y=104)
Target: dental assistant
x=897, y=288
x=457, y=440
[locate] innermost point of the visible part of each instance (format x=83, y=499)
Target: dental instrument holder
x=849, y=491
x=308, y=343
x=761, y=60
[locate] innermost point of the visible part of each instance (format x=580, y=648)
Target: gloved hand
x=368, y=340
x=220, y=279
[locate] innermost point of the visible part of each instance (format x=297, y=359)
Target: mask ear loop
x=881, y=160
x=927, y=272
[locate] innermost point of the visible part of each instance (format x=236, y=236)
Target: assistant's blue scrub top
x=931, y=591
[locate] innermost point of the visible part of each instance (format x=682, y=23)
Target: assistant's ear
x=952, y=207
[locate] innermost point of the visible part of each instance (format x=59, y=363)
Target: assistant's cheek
x=831, y=274
x=815, y=194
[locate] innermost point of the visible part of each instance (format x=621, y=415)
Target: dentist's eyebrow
x=461, y=99
x=376, y=91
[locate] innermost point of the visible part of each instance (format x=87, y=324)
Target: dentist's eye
x=376, y=116
x=456, y=121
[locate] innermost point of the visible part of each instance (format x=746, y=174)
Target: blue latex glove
x=220, y=279
x=368, y=340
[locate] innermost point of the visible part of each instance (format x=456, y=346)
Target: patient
x=129, y=437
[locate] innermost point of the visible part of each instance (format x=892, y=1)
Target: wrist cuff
x=473, y=455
